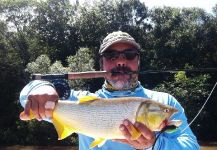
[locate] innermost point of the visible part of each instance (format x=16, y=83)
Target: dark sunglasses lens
x=110, y=55
x=130, y=55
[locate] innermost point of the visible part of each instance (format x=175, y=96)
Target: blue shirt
x=178, y=140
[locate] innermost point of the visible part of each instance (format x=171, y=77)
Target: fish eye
x=166, y=110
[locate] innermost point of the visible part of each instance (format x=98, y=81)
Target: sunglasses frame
x=128, y=54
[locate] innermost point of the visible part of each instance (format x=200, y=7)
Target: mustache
x=121, y=70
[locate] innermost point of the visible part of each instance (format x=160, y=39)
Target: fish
x=100, y=118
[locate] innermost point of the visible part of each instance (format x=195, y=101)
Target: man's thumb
x=23, y=116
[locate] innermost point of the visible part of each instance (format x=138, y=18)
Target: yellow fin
x=24, y=117
x=63, y=131
x=135, y=134
x=87, y=99
x=98, y=141
x=31, y=115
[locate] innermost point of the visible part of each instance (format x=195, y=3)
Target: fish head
x=154, y=115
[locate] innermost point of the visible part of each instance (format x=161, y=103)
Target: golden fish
x=100, y=118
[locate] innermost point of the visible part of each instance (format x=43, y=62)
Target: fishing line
x=173, y=127
x=174, y=71
x=200, y=108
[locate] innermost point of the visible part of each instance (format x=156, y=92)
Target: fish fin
x=63, y=131
x=31, y=115
x=98, y=141
x=23, y=116
x=85, y=99
x=135, y=134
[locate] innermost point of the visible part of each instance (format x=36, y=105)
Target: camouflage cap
x=117, y=37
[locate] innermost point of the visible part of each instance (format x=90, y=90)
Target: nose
x=121, y=61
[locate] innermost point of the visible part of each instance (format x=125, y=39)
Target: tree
x=94, y=22
x=19, y=15
x=172, y=37
x=82, y=61
x=191, y=92
x=12, y=79
x=52, y=24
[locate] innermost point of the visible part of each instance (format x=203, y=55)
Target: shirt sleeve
x=30, y=87
x=182, y=138
x=38, y=83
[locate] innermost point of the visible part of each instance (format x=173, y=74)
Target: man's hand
x=146, y=139
x=41, y=102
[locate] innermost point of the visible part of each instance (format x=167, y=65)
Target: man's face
x=121, y=58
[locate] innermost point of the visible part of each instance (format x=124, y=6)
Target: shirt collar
x=123, y=93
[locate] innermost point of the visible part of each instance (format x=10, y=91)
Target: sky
x=205, y=4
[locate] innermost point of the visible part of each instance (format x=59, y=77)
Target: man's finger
x=125, y=131
x=134, y=133
x=49, y=107
x=23, y=116
x=27, y=108
x=142, y=139
x=147, y=133
x=41, y=110
x=35, y=109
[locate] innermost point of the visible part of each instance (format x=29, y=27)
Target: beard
x=121, y=80
x=120, y=85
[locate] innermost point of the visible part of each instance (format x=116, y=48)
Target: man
x=119, y=53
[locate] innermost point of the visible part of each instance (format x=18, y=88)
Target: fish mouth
x=167, y=122
x=176, y=123
x=163, y=124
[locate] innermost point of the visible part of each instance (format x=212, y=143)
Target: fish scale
x=105, y=118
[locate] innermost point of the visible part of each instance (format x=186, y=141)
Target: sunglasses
x=128, y=54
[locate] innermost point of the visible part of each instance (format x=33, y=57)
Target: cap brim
x=136, y=45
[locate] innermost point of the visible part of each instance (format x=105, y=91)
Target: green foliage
x=82, y=61
x=41, y=65
x=181, y=77
x=176, y=37
x=11, y=81
x=95, y=22
x=52, y=25
x=41, y=132
x=57, y=68
x=191, y=92
x=17, y=12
